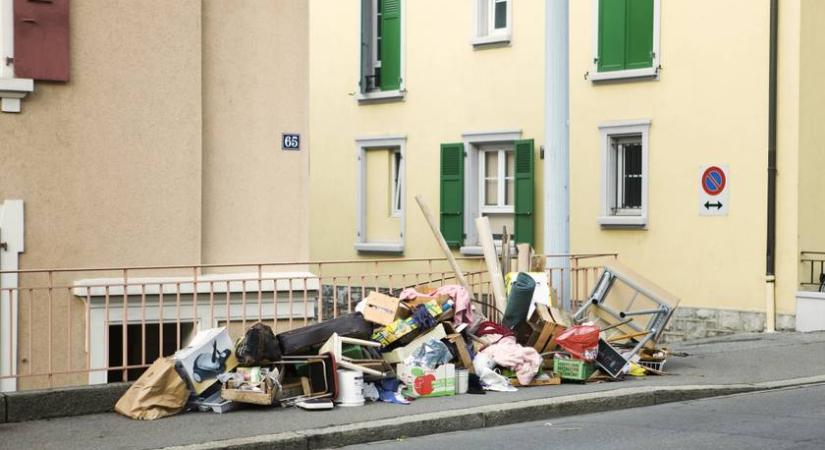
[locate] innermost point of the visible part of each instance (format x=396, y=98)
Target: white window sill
x=379, y=247
x=650, y=72
x=623, y=221
x=12, y=90
x=476, y=250
x=381, y=96
x=491, y=40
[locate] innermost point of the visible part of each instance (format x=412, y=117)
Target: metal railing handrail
x=283, y=263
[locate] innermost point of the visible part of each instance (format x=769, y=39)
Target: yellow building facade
x=687, y=95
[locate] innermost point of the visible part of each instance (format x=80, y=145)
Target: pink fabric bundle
x=525, y=361
x=463, y=310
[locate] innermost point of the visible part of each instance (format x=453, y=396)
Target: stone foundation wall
x=695, y=323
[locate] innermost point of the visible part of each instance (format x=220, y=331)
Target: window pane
x=491, y=164
x=501, y=15
x=632, y=176
x=490, y=192
x=510, y=192
x=510, y=169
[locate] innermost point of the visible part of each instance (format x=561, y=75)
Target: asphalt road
x=783, y=419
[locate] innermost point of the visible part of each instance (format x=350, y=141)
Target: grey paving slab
x=790, y=418
x=741, y=359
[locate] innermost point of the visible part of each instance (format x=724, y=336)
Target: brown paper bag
x=159, y=392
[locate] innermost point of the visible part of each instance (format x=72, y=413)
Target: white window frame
x=397, y=181
x=611, y=217
x=379, y=96
x=501, y=179
x=12, y=90
x=472, y=198
x=485, y=32
x=649, y=72
x=363, y=145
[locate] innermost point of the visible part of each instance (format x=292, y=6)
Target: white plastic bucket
x=350, y=388
x=461, y=380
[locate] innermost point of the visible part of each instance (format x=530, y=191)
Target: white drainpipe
x=557, y=147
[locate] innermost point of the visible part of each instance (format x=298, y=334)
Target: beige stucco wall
x=254, y=88
x=108, y=165
x=452, y=89
x=164, y=148
x=811, y=131
x=709, y=106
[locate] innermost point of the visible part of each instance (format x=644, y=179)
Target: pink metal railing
x=96, y=325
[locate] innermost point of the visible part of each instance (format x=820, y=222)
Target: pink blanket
x=463, y=309
x=525, y=361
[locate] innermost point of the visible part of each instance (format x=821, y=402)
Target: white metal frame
x=12, y=233
x=363, y=145
x=651, y=72
x=610, y=131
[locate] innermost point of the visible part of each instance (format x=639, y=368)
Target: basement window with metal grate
x=624, y=179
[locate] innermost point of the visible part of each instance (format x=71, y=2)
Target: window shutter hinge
x=465, y=154
x=541, y=152
x=4, y=246
x=9, y=60
x=595, y=60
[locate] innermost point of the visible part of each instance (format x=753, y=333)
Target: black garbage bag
x=258, y=347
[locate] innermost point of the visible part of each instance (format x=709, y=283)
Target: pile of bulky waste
x=400, y=345
x=425, y=342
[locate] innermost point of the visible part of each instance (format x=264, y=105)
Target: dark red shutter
x=41, y=39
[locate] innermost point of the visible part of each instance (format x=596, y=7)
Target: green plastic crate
x=573, y=369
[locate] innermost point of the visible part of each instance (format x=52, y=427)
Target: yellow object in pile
x=637, y=370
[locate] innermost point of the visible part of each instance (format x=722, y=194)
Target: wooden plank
x=496, y=279
x=425, y=210
x=525, y=255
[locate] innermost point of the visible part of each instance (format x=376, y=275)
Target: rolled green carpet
x=518, y=302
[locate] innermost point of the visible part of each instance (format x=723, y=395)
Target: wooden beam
x=443, y=244
x=496, y=280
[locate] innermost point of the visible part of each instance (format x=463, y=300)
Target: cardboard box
x=210, y=354
x=463, y=355
x=421, y=382
x=401, y=327
x=400, y=354
x=381, y=309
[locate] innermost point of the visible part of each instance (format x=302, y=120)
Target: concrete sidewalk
x=715, y=366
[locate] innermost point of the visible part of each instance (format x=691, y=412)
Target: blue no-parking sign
x=713, y=190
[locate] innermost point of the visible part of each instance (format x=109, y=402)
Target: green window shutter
x=525, y=193
x=625, y=35
x=452, y=193
x=390, y=45
x=612, y=20
x=639, y=47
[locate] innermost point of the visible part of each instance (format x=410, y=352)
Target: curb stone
x=491, y=416
x=3, y=412
x=60, y=402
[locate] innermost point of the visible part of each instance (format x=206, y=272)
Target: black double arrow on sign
x=717, y=205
